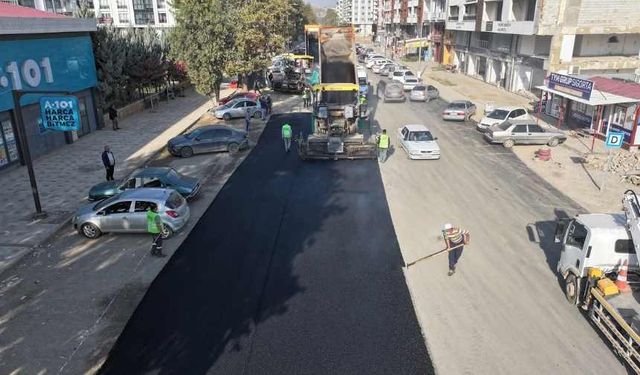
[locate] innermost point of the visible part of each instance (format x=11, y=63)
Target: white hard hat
x=447, y=226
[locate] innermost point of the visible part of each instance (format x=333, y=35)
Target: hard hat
x=447, y=226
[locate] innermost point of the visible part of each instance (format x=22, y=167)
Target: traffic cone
x=621, y=280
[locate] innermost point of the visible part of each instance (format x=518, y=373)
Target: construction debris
x=623, y=163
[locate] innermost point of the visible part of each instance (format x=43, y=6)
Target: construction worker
x=154, y=227
x=363, y=99
x=286, y=136
x=383, y=146
x=454, y=239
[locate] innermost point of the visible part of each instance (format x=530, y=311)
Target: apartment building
x=402, y=18
x=134, y=13
x=343, y=9
x=515, y=44
x=364, y=16
x=63, y=7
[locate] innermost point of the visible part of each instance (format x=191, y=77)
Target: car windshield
x=498, y=114
x=420, y=136
x=411, y=80
x=102, y=204
x=419, y=88
x=194, y=134
x=456, y=106
x=505, y=125
x=408, y=74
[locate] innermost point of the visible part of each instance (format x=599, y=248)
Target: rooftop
x=617, y=87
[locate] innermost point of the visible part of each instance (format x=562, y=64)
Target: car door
x=138, y=219
x=116, y=217
x=207, y=141
x=238, y=109
x=402, y=136
x=537, y=135
x=471, y=108
x=432, y=92
x=223, y=138
x=520, y=134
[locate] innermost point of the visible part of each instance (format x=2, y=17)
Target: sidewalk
x=568, y=170
x=65, y=175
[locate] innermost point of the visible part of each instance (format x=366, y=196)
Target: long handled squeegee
x=432, y=255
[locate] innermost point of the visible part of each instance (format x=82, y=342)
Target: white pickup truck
x=602, y=243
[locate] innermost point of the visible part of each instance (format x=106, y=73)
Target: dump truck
x=337, y=130
x=598, y=259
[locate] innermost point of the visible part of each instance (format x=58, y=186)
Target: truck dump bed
x=337, y=60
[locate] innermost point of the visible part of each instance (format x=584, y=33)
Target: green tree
x=146, y=62
x=84, y=10
x=203, y=38
x=330, y=18
x=110, y=51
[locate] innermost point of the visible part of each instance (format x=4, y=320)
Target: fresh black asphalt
x=294, y=269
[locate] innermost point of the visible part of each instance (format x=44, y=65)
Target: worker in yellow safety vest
x=154, y=227
x=383, y=146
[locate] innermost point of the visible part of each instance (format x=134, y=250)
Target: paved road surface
x=504, y=310
x=295, y=268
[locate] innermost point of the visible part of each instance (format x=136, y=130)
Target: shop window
x=619, y=114
x=8, y=146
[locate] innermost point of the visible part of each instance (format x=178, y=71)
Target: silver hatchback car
x=127, y=212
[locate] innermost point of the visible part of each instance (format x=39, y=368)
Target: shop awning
x=597, y=97
x=416, y=43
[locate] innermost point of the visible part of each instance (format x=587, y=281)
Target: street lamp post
x=24, y=144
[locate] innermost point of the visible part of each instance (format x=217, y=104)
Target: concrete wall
x=608, y=16
x=527, y=45
x=598, y=45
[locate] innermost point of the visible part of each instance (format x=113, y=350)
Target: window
x=162, y=4
x=613, y=39
x=535, y=129
x=131, y=184
x=519, y=129
x=162, y=18
x=576, y=235
x=405, y=132
x=27, y=3
x=122, y=4
x=123, y=17
x=118, y=208
x=624, y=247
x=175, y=200
x=104, y=4
x=151, y=182
x=142, y=206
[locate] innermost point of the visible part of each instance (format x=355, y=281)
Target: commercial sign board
x=60, y=113
x=614, y=139
x=581, y=88
x=55, y=64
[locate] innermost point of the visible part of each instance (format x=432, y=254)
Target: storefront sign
x=60, y=113
x=614, y=139
x=56, y=64
x=581, y=88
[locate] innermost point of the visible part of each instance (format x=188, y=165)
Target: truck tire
x=571, y=288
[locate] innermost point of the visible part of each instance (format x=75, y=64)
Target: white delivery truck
x=594, y=249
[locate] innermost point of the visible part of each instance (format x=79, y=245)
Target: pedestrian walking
x=306, y=97
x=154, y=227
x=247, y=119
x=113, y=116
x=286, y=136
x=455, y=239
x=109, y=162
x=383, y=146
x=269, y=104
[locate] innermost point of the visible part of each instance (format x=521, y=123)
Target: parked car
x=385, y=69
x=460, y=110
x=396, y=67
x=160, y=177
x=377, y=67
x=239, y=94
x=127, y=212
x=408, y=83
x=418, y=142
x=391, y=91
x=502, y=114
x=424, y=93
x=375, y=61
x=526, y=132
x=399, y=75
x=211, y=138
x=371, y=56
x=237, y=108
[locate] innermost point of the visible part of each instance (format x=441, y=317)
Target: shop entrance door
x=85, y=127
x=8, y=147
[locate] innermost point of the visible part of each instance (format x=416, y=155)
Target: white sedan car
x=418, y=142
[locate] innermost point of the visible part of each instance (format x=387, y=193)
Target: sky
x=322, y=3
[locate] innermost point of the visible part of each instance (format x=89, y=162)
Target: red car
x=240, y=94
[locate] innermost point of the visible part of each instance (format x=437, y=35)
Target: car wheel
x=233, y=148
x=571, y=288
x=166, y=231
x=508, y=143
x=90, y=231
x=226, y=116
x=553, y=142
x=186, y=152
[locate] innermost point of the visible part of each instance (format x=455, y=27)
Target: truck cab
x=592, y=240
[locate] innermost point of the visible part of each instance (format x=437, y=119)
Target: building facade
x=364, y=16
x=43, y=51
x=134, y=13
x=62, y=7
x=343, y=10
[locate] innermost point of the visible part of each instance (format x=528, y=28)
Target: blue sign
x=60, y=113
x=614, y=139
x=57, y=64
x=581, y=88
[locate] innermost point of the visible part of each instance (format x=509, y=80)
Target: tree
x=309, y=14
x=146, y=62
x=84, y=10
x=110, y=51
x=203, y=38
x=330, y=18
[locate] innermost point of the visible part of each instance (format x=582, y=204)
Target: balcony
x=509, y=27
x=461, y=25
